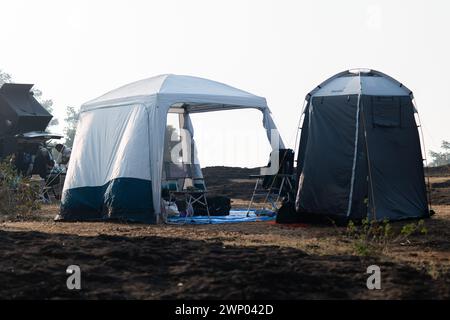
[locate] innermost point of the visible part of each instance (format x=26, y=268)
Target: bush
x=372, y=237
x=17, y=195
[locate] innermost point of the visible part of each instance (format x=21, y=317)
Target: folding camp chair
x=53, y=183
x=274, y=187
x=177, y=184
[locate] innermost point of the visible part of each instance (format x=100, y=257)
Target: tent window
x=386, y=112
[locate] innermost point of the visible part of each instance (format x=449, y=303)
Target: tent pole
x=369, y=167
x=300, y=123
x=424, y=155
x=368, y=163
x=355, y=151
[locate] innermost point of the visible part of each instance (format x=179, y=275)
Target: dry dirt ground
x=260, y=260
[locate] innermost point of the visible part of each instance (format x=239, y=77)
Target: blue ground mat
x=235, y=216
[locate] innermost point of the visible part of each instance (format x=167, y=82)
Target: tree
x=441, y=158
x=46, y=103
x=4, y=77
x=71, y=120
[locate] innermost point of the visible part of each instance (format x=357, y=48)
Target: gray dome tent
x=359, y=153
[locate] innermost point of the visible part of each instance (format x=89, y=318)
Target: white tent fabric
x=128, y=127
x=118, y=133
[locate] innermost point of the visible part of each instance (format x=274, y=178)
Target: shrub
x=17, y=195
x=372, y=237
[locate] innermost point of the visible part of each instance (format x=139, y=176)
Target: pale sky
x=75, y=51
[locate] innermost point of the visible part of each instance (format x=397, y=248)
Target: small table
x=191, y=197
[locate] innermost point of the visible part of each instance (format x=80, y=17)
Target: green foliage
x=71, y=120
x=362, y=248
x=369, y=236
x=4, y=77
x=441, y=158
x=373, y=237
x=17, y=195
x=46, y=103
x=413, y=228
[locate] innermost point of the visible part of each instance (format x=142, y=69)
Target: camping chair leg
x=204, y=203
x=253, y=197
x=46, y=196
x=190, y=200
x=207, y=208
x=188, y=205
x=281, y=189
x=269, y=192
x=54, y=193
x=290, y=188
x=170, y=198
x=273, y=204
x=271, y=201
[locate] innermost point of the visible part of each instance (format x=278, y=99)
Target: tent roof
x=361, y=81
x=171, y=89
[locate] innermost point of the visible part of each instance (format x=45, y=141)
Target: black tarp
x=20, y=112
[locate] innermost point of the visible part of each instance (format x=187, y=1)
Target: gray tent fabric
x=359, y=153
x=326, y=176
x=395, y=158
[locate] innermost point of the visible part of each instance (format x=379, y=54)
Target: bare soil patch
x=231, y=261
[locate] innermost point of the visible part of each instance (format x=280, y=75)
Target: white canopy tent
x=116, y=165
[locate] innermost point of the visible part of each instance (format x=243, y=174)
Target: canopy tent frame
x=152, y=98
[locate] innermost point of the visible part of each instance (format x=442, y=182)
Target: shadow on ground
x=33, y=265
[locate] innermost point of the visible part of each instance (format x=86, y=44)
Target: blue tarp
x=235, y=216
